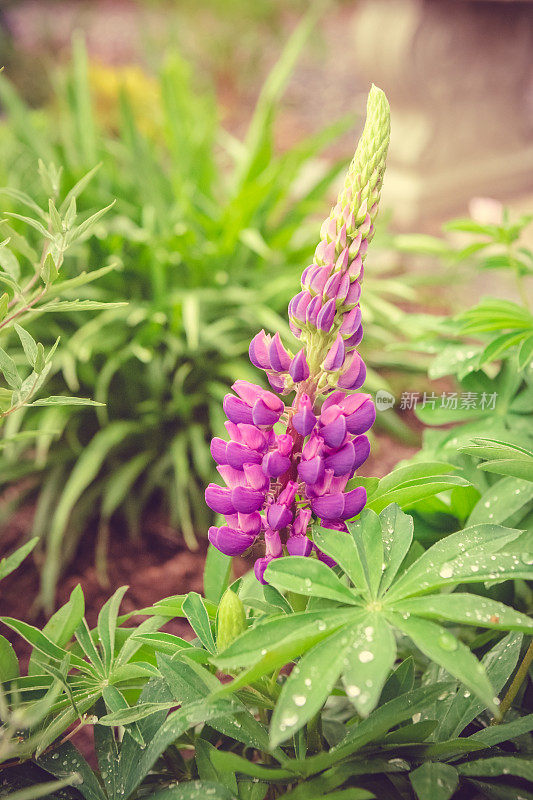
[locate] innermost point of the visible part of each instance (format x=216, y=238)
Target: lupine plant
x=209, y=233
x=304, y=470
x=351, y=662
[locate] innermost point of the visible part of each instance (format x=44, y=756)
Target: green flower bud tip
x=231, y=620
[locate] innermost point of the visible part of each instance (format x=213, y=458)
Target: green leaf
x=501, y=501
x=193, y=790
x=308, y=686
x=409, y=494
x=195, y=611
x=121, y=481
x=9, y=665
x=67, y=759
x=444, y=649
x=309, y=577
x=434, y=781
x=397, y=535
x=107, y=625
x=77, y=189
x=373, y=727
x=61, y=626
x=344, y=551
x=11, y=562
x=43, y=644
x=217, y=570
x=371, y=657
x=82, y=475
x=410, y=472
x=84, y=229
x=9, y=263
x=366, y=532
x=496, y=734
x=499, y=663
x=276, y=641
x=231, y=762
x=64, y=400
x=85, y=640
x=467, y=609
x=174, y=726
x=451, y=559
x=525, y=353
x=28, y=343
x=497, y=767
x=162, y=642
x=32, y=223
x=128, y=715
x=8, y=369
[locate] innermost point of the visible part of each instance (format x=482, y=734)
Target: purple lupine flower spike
x=283, y=464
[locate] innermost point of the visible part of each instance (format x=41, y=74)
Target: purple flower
x=335, y=357
x=279, y=358
x=304, y=420
x=230, y=541
x=299, y=369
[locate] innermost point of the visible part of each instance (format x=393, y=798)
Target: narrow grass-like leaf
x=11, y=562
x=107, y=625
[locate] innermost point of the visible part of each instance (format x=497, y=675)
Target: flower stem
x=517, y=682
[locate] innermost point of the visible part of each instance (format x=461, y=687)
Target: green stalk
x=517, y=682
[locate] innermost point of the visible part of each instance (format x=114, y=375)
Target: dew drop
x=365, y=656
x=446, y=571
x=353, y=691
x=299, y=700
x=447, y=642
x=289, y=721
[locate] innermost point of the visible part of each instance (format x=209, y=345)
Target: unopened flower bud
x=231, y=619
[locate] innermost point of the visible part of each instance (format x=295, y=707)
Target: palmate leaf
x=361, y=646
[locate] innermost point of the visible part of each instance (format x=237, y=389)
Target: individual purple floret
x=285, y=464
